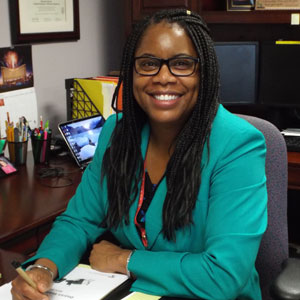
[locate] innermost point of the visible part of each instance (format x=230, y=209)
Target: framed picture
x=16, y=68
x=277, y=4
x=35, y=21
x=240, y=4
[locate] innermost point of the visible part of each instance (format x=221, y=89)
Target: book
x=80, y=284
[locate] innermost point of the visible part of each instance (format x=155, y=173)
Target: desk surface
x=26, y=203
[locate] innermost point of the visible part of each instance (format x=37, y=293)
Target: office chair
x=279, y=274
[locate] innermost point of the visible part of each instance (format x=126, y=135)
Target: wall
x=98, y=51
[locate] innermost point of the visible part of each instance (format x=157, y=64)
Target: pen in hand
x=23, y=274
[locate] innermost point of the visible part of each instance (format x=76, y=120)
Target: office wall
x=102, y=34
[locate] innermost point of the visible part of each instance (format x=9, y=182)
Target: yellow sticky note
x=295, y=19
x=287, y=42
x=141, y=296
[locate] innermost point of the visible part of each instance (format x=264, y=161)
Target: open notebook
x=81, y=136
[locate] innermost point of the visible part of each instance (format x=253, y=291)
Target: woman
x=177, y=179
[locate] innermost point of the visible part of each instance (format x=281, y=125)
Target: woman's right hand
x=21, y=290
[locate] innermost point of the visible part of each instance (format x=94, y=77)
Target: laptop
x=81, y=136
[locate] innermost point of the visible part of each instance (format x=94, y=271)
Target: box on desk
x=90, y=96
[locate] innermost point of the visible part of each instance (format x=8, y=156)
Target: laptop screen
x=81, y=136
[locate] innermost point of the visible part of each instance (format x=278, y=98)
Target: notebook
x=81, y=136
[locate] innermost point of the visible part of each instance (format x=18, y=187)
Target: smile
x=166, y=97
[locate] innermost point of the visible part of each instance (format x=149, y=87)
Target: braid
x=183, y=172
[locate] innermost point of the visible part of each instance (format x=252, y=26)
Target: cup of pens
x=41, y=142
x=17, y=138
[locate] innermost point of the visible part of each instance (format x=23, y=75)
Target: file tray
x=91, y=96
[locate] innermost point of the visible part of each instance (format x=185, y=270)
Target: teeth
x=165, y=97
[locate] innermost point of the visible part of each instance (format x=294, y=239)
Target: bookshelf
x=225, y=25
x=248, y=17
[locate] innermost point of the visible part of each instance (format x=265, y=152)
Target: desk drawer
x=28, y=242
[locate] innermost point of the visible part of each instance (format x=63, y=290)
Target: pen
x=23, y=274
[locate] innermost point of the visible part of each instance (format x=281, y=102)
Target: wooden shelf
x=249, y=17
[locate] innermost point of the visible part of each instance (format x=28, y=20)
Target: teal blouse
x=214, y=258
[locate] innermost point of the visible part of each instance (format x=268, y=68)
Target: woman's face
x=165, y=98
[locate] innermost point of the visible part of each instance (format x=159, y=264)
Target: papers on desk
x=5, y=291
x=82, y=283
x=141, y=296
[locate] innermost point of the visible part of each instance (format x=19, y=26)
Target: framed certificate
x=34, y=21
x=240, y=4
x=277, y=4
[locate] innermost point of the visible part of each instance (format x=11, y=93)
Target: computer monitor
x=238, y=63
x=279, y=83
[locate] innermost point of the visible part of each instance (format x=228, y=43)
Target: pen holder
x=17, y=152
x=41, y=148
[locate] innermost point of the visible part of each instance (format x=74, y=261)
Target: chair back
x=274, y=246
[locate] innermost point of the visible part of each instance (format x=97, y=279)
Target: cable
x=54, y=177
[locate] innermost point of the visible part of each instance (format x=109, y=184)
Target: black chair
x=279, y=274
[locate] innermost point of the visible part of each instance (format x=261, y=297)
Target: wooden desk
x=294, y=170
x=7, y=271
x=28, y=208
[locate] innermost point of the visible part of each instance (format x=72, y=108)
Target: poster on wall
x=16, y=70
x=18, y=103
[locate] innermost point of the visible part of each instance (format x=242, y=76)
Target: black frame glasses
x=181, y=66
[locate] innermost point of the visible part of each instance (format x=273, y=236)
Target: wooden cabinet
x=224, y=25
x=137, y=9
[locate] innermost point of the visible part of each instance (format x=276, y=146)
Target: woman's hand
x=107, y=257
x=21, y=290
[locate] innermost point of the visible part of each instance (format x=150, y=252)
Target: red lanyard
x=140, y=203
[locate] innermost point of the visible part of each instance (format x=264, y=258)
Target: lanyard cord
x=140, y=203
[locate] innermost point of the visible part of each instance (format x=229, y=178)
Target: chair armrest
x=287, y=284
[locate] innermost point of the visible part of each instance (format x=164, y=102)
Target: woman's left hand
x=107, y=257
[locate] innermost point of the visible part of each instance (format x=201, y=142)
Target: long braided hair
x=123, y=162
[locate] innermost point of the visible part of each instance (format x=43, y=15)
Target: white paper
x=38, y=16
x=140, y=296
x=18, y=103
x=5, y=291
x=80, y=284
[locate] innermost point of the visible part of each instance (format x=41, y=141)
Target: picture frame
x=277, y=4
x=37, y=21
x=240, y=5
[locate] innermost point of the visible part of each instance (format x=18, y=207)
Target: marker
x=23, y=274
x=41, y=121
x=8, y=119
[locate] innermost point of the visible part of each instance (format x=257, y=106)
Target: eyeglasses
x=178, y=66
